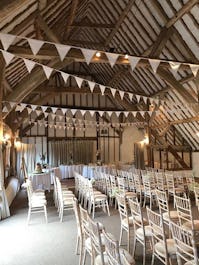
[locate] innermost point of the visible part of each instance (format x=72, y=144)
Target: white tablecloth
x=41, y=181
x=67, y=171
x=88, y=172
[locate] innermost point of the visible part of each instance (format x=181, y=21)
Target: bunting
x=7, y=56
x=62, y=50
x=112, y=57
x=35, y=45
x=7, y=40
x=88, y=54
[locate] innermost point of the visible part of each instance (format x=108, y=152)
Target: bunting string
x=48, y=71
x=62, y=50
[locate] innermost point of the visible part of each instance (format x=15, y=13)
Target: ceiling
x=166, y=30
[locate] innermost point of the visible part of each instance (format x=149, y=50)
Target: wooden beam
x=71, y=18
x=171, y=81
x=169, y=148
x=49, y=33
x=175, y=147
x=33, y=80
x=91, y=26
x=185, y=9
x=120, y=20
x=159, y=44
x=168, y=88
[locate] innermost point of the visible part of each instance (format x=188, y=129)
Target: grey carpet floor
x=46, y=244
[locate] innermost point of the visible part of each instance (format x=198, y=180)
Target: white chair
x=186, y=249
x=142, y=231
x=114, y=255
x=36, y=202
x=97, y=200
x=164, y=249
x=65, y=201
x=125, y=219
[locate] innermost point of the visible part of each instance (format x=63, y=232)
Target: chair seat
x=125, y=221
x=130, y=194
x=187, y=225
x=88, y=245
x=172, y=215
x=99, y=197
x=138, y=219
x=171, y=247
x=38, y=203
x=179, y=190
x=140, y=233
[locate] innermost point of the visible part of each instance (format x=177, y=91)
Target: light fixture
x=197, y=134
x=126, y=56
x=98, y=54
x=17, y=143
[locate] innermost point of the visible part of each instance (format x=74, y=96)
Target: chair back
x=162, y=201
x=160, y=180
x=77, y=217
x=111, y=249
x=137, y=214
x=122, y=207
x=96, y=240
x=185, y=244
x=184, y=210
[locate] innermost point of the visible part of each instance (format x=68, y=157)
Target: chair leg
x=121, y=233
x=77, y=245
x=29, y=213
x=93, y=209
x=45, y=212
x=61, y=214
x=107, y=208
x=144, y=254
x=153, y=259
x=134, y=246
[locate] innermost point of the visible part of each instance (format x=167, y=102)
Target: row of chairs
x=89, y=196
x=93, y=240
x=151, y=233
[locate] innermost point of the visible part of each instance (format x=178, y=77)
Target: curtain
x=26, y=154
x=70, y=152
x=139, y=155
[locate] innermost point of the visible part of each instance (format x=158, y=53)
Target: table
x=88, y=172
x=41, y=180
x=67, y=171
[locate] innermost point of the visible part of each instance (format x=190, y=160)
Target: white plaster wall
x=195, y=162
x=130, y=136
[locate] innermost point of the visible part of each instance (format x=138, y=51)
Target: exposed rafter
x=120, y=20
x=70, y=19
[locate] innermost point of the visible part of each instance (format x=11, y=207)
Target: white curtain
x=28, y=152
x=70, y=151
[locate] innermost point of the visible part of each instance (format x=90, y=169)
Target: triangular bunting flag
x=126, y=113
x=5, y=109
x=121, y=94
x=18, y=108
x=150, y=113
x=145, y=100
x=44, y=108
x=62, y=50
x=83, y=112
x=7, y=56
x=142, y=113
x=64, y=111
x=29, y=64
x=154, y=64
x=110, y=113
x=73, y=111
x=79, y=81
x=112, y=57
x=7, y=40
x=117, y=113
x=91, y=85
x=29, y=110
x=35, y=45
x=92, y=112
x=131, y=96
x=138, y=98
x=64, y=76
x=12, y=104
x=134, y=113
x=102, y=89
x=33, y=107
x=101, y=113
x=46, y=114
x=194, y=69
x=174, y=66
x=88, y=54
x=23, y=106
x=133, y=61
x=47, y=70
x=54, y=109
x=113, y=91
